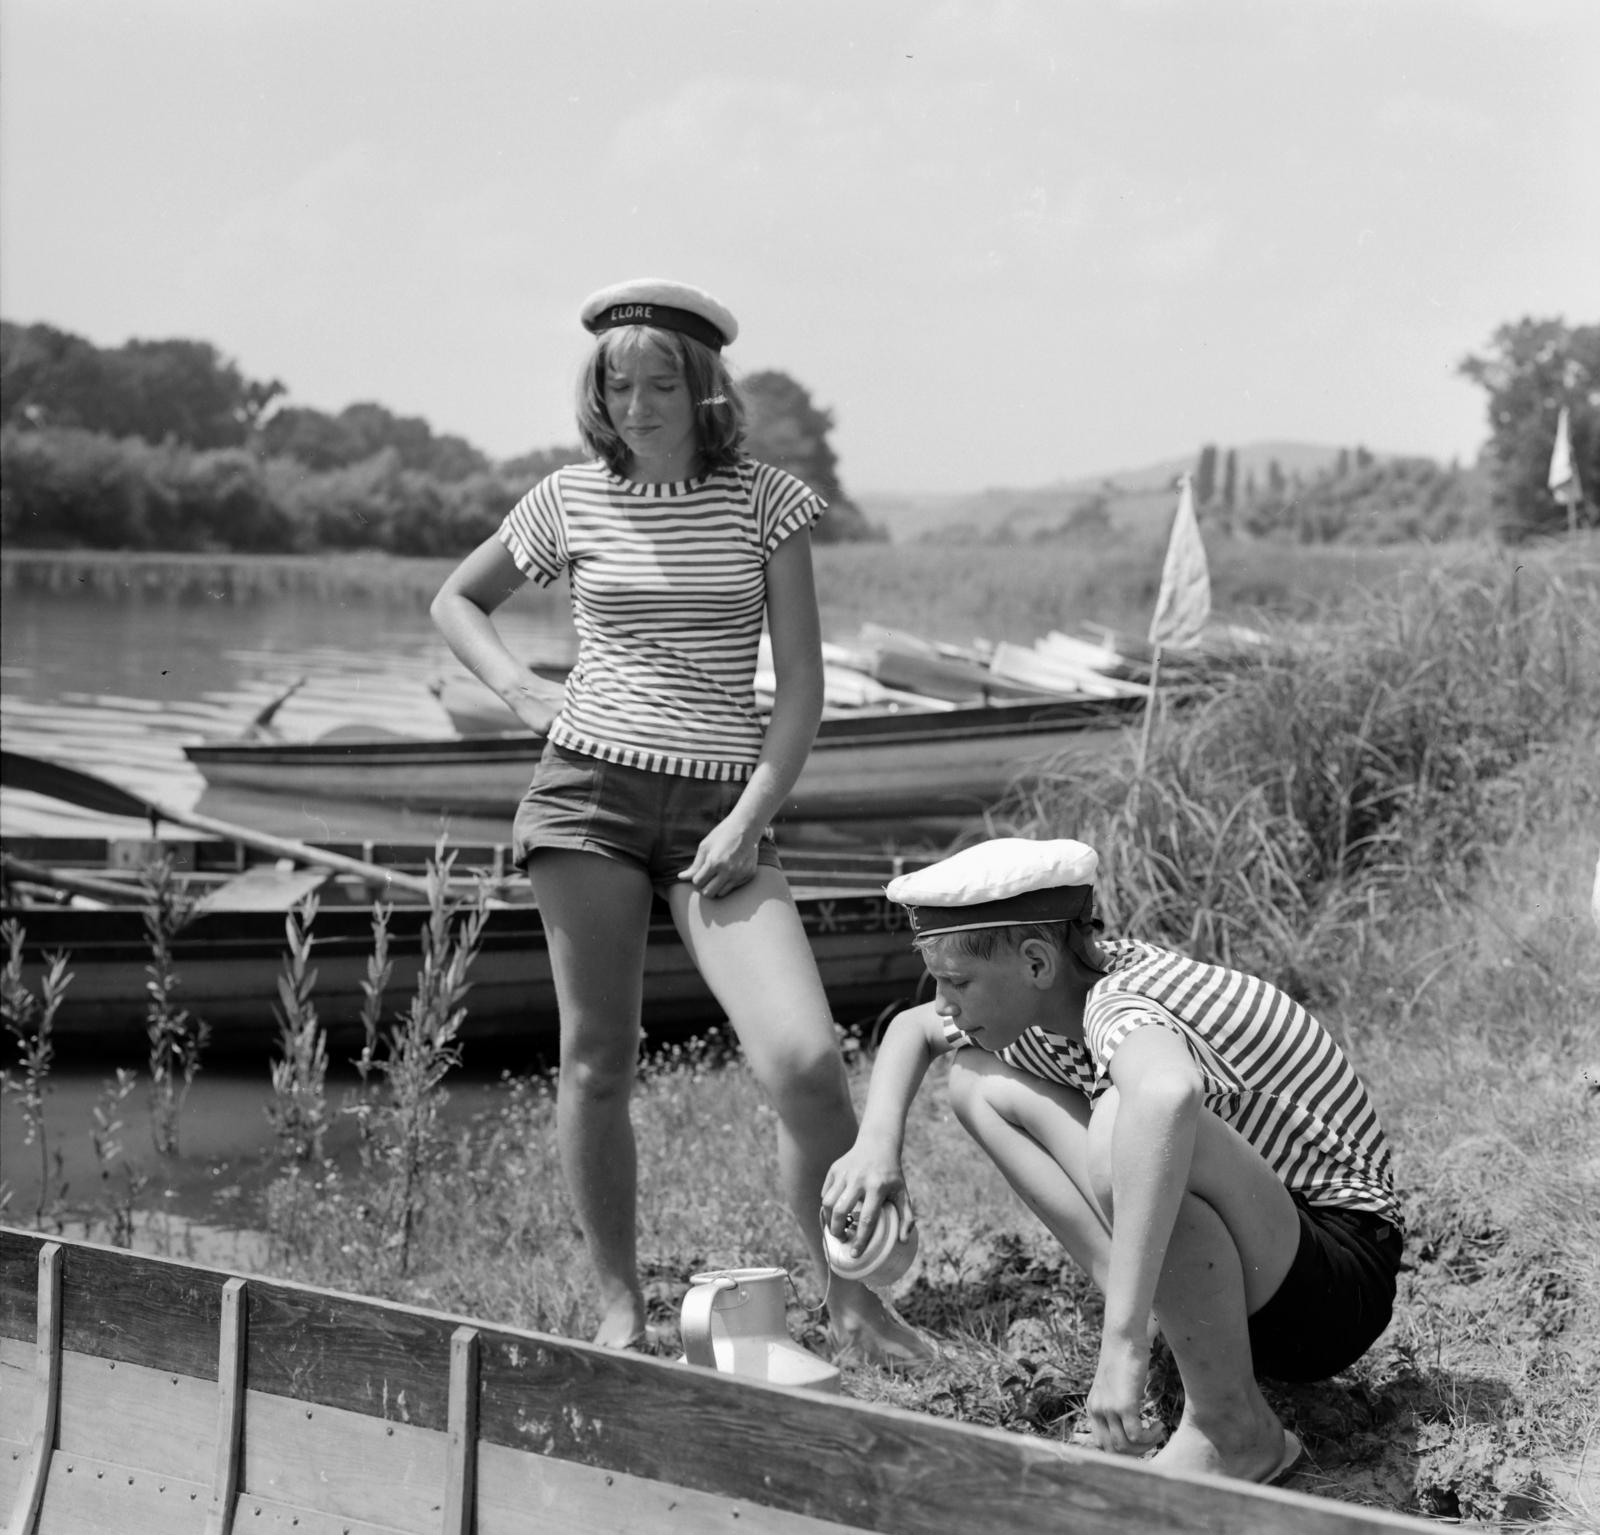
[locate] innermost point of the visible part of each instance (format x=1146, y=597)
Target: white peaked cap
x=999, y=883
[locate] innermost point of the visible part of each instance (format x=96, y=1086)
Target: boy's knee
x=966, y=1083
x=1102, y=1126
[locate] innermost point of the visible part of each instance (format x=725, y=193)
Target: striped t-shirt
x=668, y=594
x=1268, y=1067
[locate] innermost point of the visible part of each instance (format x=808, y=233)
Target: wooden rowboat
x=140, y=1396
x=862, y=767
x=229, y=959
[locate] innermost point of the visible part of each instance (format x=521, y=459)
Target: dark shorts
x=654, y=821
x=1336, y=1298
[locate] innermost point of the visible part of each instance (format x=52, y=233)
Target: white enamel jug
x=733, y=1321
x=883, y=1261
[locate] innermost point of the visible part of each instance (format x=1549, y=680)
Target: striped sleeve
x=782, y=505
x=535, y=532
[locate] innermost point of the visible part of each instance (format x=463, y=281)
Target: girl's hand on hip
x=725, y=859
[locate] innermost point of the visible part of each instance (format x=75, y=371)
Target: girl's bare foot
x=866, y=1328
x=622, y=1323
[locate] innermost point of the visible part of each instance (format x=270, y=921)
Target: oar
x=75, y=787
x=262, y=723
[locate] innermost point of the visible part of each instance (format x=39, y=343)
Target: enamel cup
x=733, y=1321
x=885, y=1258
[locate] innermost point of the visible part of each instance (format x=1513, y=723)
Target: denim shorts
x=1336, y=1298
x=655, y=821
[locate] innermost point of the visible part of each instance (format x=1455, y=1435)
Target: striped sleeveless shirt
x=668, y=595
x=1268, y=1068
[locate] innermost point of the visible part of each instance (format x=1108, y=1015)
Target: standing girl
x=656, y=775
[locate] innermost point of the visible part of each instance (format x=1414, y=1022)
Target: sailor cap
x=1000, y=883
x=665, y=305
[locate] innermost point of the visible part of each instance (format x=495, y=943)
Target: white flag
x=1564, y=482
x=1184, y=602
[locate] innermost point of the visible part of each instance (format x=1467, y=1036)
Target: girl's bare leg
x=596, y=914
x=751, y=948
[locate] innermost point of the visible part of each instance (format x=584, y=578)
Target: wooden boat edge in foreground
x=335, y=1410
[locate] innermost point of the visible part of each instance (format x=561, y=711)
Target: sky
x=1004, y=243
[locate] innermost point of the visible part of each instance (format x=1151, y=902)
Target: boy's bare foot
x=1261, y=1451
x=622, y=1324
x=865, y=1328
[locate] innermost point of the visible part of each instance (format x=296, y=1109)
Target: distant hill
x=1128, y=500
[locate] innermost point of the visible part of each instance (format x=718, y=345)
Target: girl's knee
x=597, y=1077
x=805, y=1081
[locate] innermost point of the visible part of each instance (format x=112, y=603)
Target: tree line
x=168, y=445
x=1530, y=370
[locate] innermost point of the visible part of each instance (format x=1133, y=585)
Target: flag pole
x=1149, y=711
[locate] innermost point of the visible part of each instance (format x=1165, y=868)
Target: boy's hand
x=1117, y=1395
x=870, y=1177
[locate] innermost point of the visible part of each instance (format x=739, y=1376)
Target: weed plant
x=312, y=1215
x=30, y=1021
x=177, y=1037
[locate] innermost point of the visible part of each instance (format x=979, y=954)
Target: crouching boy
x=1194, y=1138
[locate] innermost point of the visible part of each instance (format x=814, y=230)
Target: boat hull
x=873, y=767
x=228, y=964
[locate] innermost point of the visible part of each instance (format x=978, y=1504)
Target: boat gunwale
x=778, y=1447
x=908, y=729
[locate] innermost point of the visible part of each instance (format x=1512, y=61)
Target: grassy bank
x=1399, y=825
x=947, y=592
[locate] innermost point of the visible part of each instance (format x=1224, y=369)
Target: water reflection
x=117, y=673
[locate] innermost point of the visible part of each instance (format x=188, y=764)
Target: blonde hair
x=983, y=943
x=719, y=408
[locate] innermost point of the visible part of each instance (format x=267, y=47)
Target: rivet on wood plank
x=308, y=1412
x=389, y=1431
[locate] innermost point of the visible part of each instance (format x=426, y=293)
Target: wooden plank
x=342, y=1462
x=535, y=1495
x=149, y=1311
x=16, y=1397
x=136, y=1416
x=338, y=1351
x=46, y=1395
x=90, y=1496
x=227, y=1404
x=461, y=1472
x=271, y=1516
x=265, y=888
x=858, y=1464
x=19, y=1283
x=16, y=1404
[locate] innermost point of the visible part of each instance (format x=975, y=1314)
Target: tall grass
x=1330, y=776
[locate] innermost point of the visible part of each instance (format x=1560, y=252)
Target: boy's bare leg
x=1037, y=1134
x=1233, y=1241
x=751, y=948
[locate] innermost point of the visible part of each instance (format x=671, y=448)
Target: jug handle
x=695, y=1322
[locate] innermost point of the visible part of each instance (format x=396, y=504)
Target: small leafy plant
x=30, y=1020
x=176, y=1036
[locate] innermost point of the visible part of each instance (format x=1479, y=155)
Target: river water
x=112, y=665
